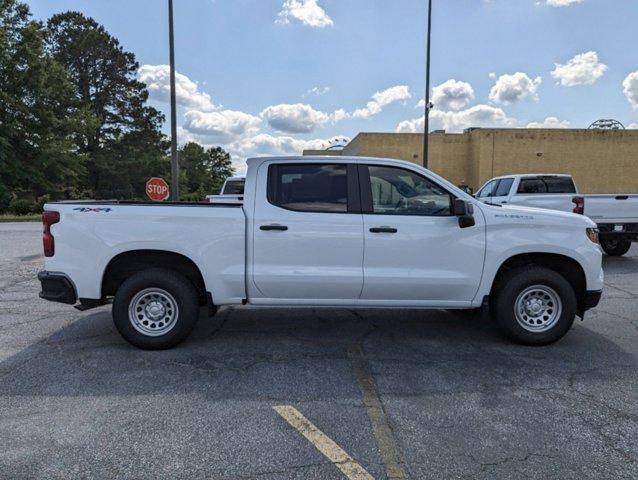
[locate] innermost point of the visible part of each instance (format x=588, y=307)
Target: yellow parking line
x=323, y=443
x=390, y=452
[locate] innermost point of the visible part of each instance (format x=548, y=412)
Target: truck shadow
x=302, y=354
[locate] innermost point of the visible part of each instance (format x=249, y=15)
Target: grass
x=31, y=217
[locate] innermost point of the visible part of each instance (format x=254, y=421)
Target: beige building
x=601, y=161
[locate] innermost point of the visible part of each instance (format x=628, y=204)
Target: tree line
x=74, y=118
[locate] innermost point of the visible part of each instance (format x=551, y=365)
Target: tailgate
x=612, y=208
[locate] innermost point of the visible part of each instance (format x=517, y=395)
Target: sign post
x=157, y=189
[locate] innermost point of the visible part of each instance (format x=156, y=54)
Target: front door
x=308, y=233
x=415, y=250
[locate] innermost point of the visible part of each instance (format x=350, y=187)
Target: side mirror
x=464, y=210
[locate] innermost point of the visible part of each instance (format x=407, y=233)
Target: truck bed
x=95, y=232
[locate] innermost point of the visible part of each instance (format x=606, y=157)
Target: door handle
x=383, y=230
x=279, y=228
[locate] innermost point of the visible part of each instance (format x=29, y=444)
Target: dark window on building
x=309, y=188
x=504, y=187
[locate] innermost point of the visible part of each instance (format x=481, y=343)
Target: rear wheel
x=155, y=309
x=615, y=247
x=534, y=305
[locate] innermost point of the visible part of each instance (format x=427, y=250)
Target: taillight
x=48, y=219
x=579, y=205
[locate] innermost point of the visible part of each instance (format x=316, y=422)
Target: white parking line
x=323, y=443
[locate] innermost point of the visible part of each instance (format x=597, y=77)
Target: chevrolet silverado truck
x=323, y=232
x=231, y=192
x=615, y=214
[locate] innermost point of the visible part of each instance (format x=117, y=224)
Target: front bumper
x=57, y=287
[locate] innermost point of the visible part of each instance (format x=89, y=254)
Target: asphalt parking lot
x=405, y=394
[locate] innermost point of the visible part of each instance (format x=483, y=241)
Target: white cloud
x=319, y=91
x=308, y=12
x=339, y=115
x=297, y=118
x=583, y=69
x=381, y=99
x=450, y=95
x=514, y=88
x=632, y=126
x=630, y=87
x=562, y=3
x=549, y=122
x=265, y=144
x=187, y=94
x=221, y=126
x=457, y=121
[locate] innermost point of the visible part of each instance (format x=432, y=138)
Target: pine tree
x=126, y=145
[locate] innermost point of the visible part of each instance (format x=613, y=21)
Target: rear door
x=308, y=232
x=415, y=250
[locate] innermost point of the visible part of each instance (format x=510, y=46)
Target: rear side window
x=504, y=187
x=309, y=188
x=547, y=185
x=559, y=185
x=234, y=187
x=532, y=185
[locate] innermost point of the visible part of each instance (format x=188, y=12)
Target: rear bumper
x=592, y=298
x=57, y=287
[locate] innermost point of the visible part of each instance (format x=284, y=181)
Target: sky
x=263, y=77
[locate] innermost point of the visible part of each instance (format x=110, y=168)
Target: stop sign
x=157, y=189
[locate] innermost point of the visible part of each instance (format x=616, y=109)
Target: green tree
x=38, y=115
x=203, y=171
x=125, y=145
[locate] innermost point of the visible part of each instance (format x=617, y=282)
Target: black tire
x=512, y=284
x=615, y=247
x=179, y=289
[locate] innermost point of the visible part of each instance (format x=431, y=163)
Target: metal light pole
x=428, y=105
x=174, y=159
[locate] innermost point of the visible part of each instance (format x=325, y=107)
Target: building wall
x=601, y=161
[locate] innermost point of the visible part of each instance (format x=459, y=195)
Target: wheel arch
x=566, y=266
x=127, y=263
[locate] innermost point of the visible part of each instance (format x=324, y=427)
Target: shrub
x=21, y=206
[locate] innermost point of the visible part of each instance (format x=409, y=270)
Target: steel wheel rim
x=538, y=308
x=153, y=312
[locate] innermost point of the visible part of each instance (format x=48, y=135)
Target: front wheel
x=615, y=247
x=534, y=305
x=155, y=309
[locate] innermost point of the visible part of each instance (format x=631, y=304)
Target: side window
x=532, y=185
x=559, y=185
x=504, y=187
x=234, y=187
x=309, y=188
x=488, y=189
x=395, y=191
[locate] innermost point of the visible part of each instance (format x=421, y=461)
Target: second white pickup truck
x=323, y=232
x=615, y=214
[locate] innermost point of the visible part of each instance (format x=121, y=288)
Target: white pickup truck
x=323, y=232
x=231, y=192
x=615, y=214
